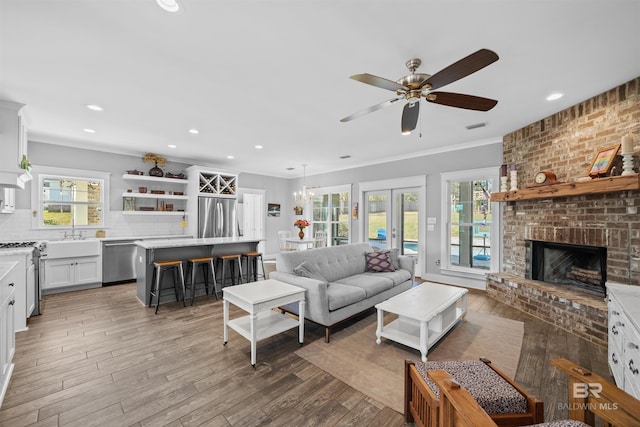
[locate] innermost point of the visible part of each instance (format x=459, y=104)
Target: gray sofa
x=338, y=283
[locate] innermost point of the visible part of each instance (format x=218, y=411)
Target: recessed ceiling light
x=89, y=130
x=258, y=147
x=94, y=107
x=229, y=157
x=169, y=5
x=171, y=146
x=194, y=131
x=555, y=96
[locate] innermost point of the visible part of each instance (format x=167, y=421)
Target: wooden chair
x=421, y=404
x=604, y=400
x=320, y=239
x=283, y=235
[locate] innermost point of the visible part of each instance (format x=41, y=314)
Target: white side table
x=259, y=299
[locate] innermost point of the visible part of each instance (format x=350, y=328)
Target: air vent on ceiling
x=347, y=156
x=477, y=125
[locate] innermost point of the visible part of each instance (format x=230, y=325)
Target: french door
x=391, y=220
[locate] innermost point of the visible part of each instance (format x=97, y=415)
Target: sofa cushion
x=309, y=269
x=379, y=261
x=371, y=283
x=341, y=295
x=397, y=277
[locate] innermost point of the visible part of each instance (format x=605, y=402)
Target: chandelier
x=303, y=196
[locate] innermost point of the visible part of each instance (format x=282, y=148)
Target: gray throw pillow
x=309, y=270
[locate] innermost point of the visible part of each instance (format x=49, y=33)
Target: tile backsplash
x=17, y=227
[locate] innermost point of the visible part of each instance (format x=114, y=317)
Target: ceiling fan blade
x=380, y=82
x=461, y=100
x=468, y=65
x=371, y=109
x=410, y=117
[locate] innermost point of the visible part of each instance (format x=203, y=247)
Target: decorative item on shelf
x=545, y=178
x=175, y=175
x=298, y=210
x=178, y=193
x=301, y=224
x=503, y=179
x=157, y=191
x=513, y=178
x=601, y=164
x=24, y=163
x=159, y=162
x=142, y=190
x=168, y=207
x=128, y=204
x=627, y=155
x=303, y=196
x=129, y=190
x=135, y=172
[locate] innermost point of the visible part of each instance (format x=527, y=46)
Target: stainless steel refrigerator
x=218, y=217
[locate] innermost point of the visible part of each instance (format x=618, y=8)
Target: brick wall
x=566, y=144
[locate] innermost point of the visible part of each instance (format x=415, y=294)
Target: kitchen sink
x=72, y=248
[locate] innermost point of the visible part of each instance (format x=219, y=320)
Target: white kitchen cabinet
x=160, y=193
x=13, y=141
x=7, y=200
x=204, y=182
x=65, y=272
x=24, y=260
x=7, y=331
x=624, y=336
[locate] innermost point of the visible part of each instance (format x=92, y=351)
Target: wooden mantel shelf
x=594, y=186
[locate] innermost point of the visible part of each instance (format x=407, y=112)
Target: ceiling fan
x=414, y=86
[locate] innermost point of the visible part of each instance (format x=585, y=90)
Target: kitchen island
x=181, y=249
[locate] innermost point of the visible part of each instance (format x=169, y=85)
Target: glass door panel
x=377, y=221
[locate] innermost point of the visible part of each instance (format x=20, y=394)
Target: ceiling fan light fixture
x=169, y=5
x=406, y=132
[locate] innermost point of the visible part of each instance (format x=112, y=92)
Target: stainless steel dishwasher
x=118, y=261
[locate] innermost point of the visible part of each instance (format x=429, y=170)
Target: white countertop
x=5, y=268
x=167, y=236
x=15, y=251
x=629, y=298
x=176, y=243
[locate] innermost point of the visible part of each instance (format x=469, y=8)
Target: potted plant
x=158, y=160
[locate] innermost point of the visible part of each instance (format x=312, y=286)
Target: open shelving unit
x=157, y=182
x=610, y=184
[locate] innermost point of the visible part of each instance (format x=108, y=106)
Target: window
x=71, y=201
x=470, y=239
x=331, y=214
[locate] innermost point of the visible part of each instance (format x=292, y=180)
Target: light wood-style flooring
x=98, y=357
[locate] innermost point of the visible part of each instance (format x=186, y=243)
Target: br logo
x=581, y=390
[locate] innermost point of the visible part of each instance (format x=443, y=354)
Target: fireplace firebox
x=566, y=264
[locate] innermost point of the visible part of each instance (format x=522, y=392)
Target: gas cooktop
x=11, y=245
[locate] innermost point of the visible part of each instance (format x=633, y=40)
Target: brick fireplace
x=566, y=143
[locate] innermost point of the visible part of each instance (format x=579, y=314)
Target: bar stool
x=230, y=260
x=252, y=265
x=192, y=271
x=158, y=268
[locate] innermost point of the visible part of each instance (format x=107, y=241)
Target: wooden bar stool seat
x=192, y=271
x=252, y=258
x=160, y=267
x=230, y=261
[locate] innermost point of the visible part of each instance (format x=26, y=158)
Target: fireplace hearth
x=565, y=264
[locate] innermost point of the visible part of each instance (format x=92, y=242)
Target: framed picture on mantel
x=603, y=161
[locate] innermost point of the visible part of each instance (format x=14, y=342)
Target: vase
x=301, y=234
x=156, y=171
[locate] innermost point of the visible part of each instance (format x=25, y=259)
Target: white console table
x=624, y=336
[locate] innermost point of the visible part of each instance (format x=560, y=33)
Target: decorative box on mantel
x=578, y=312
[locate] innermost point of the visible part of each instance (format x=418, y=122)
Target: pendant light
x=303, y=196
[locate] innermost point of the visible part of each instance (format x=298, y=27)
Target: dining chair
x=321, y=239
x=283, y=235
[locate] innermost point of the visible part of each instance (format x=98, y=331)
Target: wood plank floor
x=98, y=357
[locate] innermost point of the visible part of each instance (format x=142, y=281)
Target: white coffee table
x=259, y=299
x=425, y=314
